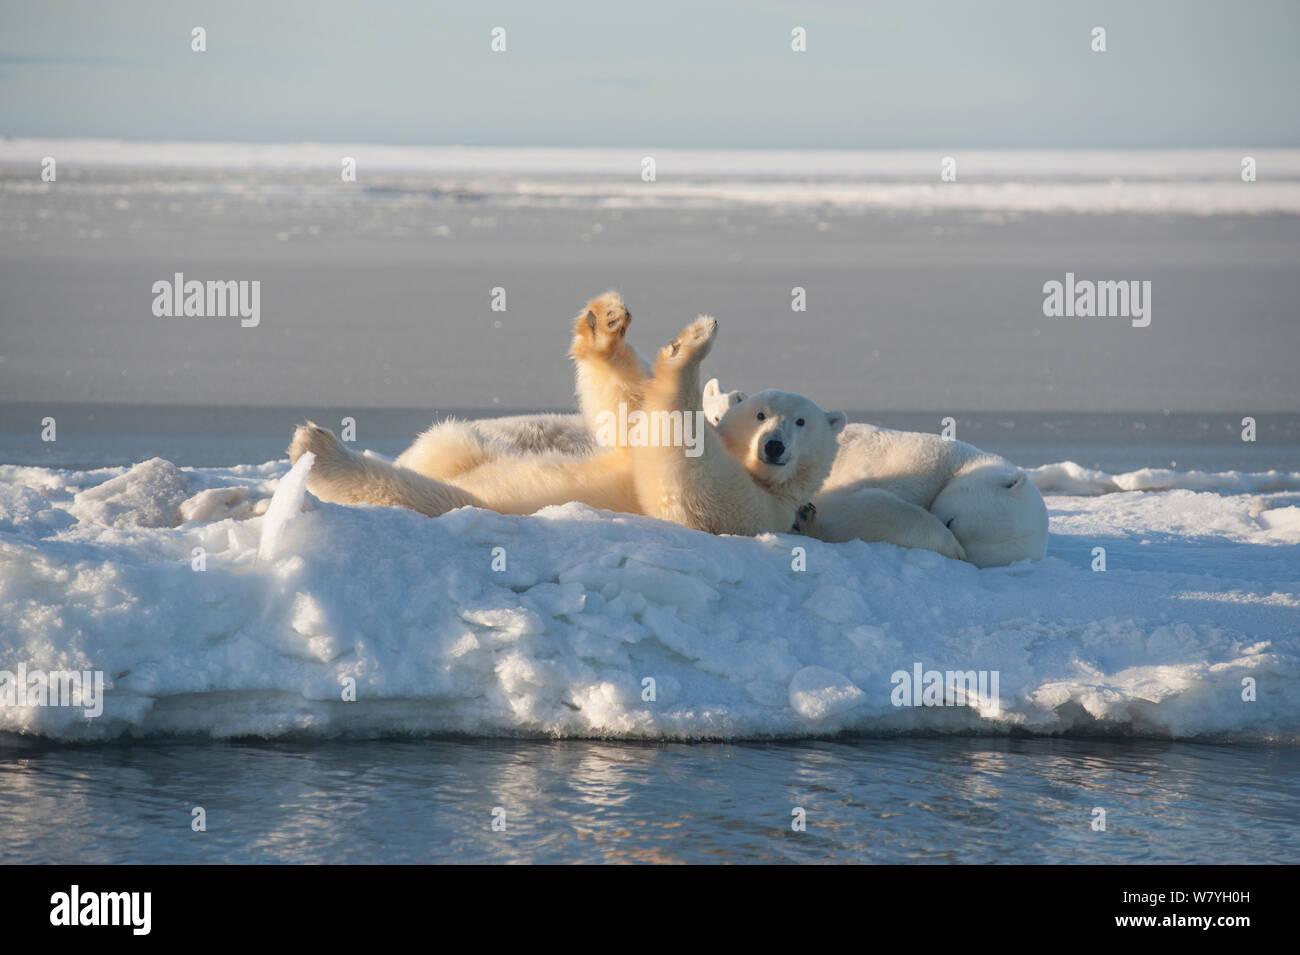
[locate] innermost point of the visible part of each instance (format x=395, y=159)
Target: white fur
x=731, y=487
x=915, y=490
x=896, y=486
x=509, y=483
x=496, y=465
x=452, y=447
x=906, y=486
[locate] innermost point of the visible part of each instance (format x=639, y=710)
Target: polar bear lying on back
x=913, y=490
x=907, y=488
x=723, y=489
x=881, y=477
x=769, y=459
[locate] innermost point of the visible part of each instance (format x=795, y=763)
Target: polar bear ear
x=736, y=397
x=712, y=388
x=837, y=420
x=1016, y=482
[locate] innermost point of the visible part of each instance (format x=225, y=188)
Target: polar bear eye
x=799, y=422
x=761, y=416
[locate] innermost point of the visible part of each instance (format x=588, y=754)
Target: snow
x=576, y=622
x=285, y=503
x=1067, y=477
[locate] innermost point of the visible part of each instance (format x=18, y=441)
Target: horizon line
x=912, y=147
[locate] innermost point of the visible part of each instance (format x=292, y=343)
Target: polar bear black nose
x=773, y=449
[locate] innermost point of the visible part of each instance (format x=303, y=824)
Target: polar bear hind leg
x=340, y=476
x=515, y=484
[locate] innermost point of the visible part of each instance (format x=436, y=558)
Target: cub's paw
x=803, y=519
x=320, y=441
x=603, y=324
x=692, y=343
x=950, y=547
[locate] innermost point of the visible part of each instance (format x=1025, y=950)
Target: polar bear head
x=782, y=438
x=718, y=402
x=996, y=513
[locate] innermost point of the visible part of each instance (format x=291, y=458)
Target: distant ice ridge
x=1067, y=477
x=1032, y=165
x=551, y=625
x=1195, y=181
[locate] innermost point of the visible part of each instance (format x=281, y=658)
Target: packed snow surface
x=212, y=609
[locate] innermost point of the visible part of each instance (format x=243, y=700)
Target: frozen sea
x=1161, y=689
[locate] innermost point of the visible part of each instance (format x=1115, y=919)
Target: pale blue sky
x=664, y=73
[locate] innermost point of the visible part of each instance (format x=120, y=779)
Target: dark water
x=909, y=800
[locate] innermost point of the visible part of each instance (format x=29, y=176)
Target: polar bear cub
x=995, y=511
x=900, y=485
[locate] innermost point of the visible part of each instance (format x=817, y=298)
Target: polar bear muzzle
x=774, y=451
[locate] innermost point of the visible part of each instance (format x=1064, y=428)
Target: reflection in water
x=924, y=800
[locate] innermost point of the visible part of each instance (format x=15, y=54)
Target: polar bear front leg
x=707, y=489
x=874, y=514
x=607, y=370
x=676, y=382
x=340, y=476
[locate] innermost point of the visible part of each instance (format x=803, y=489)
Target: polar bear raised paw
x=608, y=372
x=604, y=323
x=693, y=343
